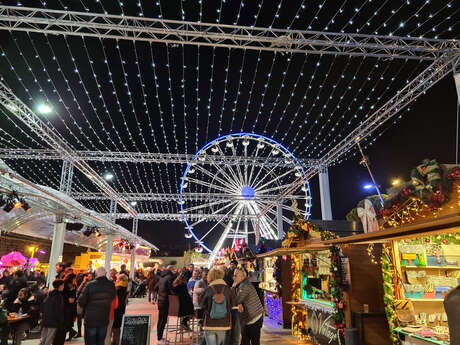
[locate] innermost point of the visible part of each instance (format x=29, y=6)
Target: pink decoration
x=33, y=261
x=13, y=259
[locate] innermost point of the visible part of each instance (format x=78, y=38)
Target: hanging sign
x=135, y=329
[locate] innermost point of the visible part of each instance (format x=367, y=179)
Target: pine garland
x=389, y=293
x=335, y=285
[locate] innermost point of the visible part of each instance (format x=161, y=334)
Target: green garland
x=335, y=284
x=438, y=239
x=389, y=293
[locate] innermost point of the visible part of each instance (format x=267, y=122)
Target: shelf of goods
x=428, y=267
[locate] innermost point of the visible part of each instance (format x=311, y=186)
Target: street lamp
x=44, y=108
x=108, y=176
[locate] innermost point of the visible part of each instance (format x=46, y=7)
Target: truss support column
x=133, y=251
x=456, y=70
x=108, y=252
x=279, y=220
x=325, y=193
x=56, y=249
x=57, y=246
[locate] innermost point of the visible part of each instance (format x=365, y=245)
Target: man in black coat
x=163, y=289
x=95, y=300
x=19, y=282
x=53, y=311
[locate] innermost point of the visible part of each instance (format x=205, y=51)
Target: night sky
x=141, y=97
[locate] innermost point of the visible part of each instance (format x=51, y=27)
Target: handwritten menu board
x=135, y=329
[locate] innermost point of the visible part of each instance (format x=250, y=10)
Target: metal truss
x=190, y=217
x=149, y=157
x=46, y=202
x=167, y=197
x=218, y=35
x=413, y=90
x=48, y=135
x=417, y=87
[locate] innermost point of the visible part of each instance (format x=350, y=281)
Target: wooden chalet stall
x=419, y=263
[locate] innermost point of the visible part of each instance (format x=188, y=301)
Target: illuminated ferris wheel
x=230, y=181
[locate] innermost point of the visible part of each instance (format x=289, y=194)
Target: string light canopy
x=113, y=96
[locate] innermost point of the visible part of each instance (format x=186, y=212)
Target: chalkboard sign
x=321, y=327
x=135, y=329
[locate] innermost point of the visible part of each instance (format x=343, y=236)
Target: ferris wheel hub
x=248, y=192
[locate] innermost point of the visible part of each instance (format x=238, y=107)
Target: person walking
x=96, y=299
x=122, y=295
x=217, y=302
x=251, y=311
x=152, y=280
x=198, y=290
x=52, y=311
x=86, y=279
x=179, y=287
x=70, y=304
x=163, y=289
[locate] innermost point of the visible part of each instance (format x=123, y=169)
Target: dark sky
x=120, y=96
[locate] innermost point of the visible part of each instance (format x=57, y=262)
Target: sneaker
x=161, y=342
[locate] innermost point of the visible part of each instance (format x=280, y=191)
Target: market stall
x=419, y=265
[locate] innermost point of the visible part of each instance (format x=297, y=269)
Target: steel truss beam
x=48, y=135
x=175, y=196
x=148, y=157
x=218, y=35
x=413, y=90
x=190, y=217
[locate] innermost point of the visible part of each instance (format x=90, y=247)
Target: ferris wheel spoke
x=237, y=227
x=224, y=235
x=262, y=169
x=248, y=182
x=268, y=219
x=215, y=177
x=209, y=185
x=264, y=227
x=229, y=167
x=238, y=169
x=215, y=212
x=265, y=191
x=220, y=221
x=257, y=187
x=222, y=171
x=274, y=213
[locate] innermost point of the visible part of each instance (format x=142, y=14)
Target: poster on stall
x=321, y=327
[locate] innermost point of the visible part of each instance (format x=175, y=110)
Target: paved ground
x=271, y=334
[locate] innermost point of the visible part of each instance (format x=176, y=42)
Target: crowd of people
x=223, y=299
x=88, y=299
x=226, y=302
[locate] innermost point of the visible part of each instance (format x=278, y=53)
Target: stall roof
x=297, y=250
x=445, y=224
x=47, y=203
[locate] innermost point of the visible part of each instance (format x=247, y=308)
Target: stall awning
x=291, y=251
x=46, y=203
x=445, y=224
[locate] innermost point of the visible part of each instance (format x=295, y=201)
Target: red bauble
x=444, y=242
x=427, y=240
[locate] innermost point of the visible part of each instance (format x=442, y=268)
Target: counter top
x=418, y=336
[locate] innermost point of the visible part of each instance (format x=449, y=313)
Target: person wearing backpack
x=251, y=310
x=217, y=302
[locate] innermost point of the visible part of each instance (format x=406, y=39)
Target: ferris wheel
x=230, y=181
